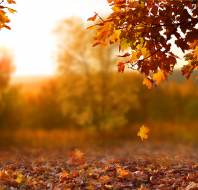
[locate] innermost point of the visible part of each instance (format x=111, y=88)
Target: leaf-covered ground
x=130, y=166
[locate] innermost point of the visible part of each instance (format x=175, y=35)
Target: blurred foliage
x=70, y=103
x=88, y=93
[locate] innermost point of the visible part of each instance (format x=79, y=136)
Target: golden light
x=31, y=38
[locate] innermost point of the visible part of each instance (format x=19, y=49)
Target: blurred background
x=56, y=89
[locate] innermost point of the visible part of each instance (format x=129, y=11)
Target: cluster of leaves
x=46, y=170
x=145, y=32
x=5, y=10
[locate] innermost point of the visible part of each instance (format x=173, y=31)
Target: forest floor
x=142, y=166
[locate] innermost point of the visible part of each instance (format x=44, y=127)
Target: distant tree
x=9, y=97
x=90, y=94
x=6, y=67
x=145, y=31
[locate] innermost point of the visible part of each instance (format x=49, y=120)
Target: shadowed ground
x=124, y=166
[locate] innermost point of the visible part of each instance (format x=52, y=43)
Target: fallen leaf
x=19, y=178
x=192, y=186
x=121, y=172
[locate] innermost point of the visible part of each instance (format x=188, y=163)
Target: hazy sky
x=31, y=37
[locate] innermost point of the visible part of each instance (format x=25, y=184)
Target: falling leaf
x=143, y=132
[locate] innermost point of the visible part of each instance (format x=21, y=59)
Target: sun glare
x=31, y=38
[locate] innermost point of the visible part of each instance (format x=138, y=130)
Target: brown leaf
x=93, y=18
x=121, y=67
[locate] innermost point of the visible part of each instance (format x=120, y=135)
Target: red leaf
x=121, y=67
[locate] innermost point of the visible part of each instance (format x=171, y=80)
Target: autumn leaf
x=148, y=83
x=11, y=10
x=121, y=67
x=76, y=157
x=143, y=188
x=143, y=132
x=63, y=176
x=140, y=31
x=19, y=178
x=4, y=13
x=121, y=172
x=159, y=77
x=93, y=18
x=104, y=179
x=11, y=2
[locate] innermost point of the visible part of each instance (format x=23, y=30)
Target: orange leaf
x=121, y=172
x=11, y=1
x=143, y=132
x=11, y=10
x=63, y=176
x=159, y=77
x=148, y=83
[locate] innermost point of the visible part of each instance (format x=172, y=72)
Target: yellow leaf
x=115, y=36
x=124, y=45
x=116, y=8
x=134, y=57
x=143, y=132
x=121, y=172
x=159, y=77
x=145, y=52
x=20, y=178
x=148, y=83
x=196, y=52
